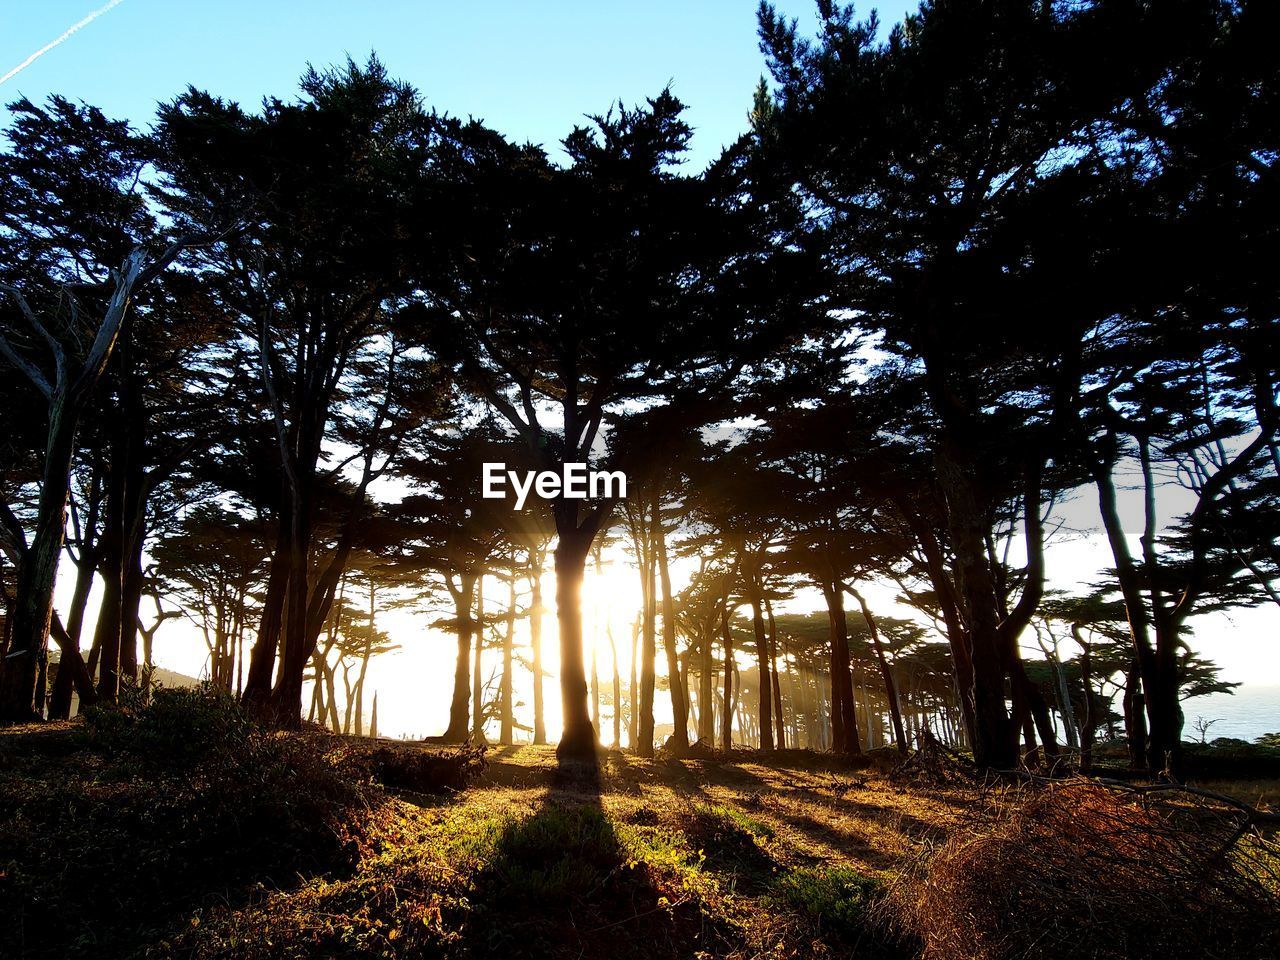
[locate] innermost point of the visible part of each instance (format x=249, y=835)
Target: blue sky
x=530, y=69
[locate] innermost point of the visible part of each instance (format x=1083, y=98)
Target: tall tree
x=311, y=290
x=78, y=244
x=576, y=290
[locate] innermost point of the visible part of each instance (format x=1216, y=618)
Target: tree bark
x=578, y=739
x=765, y=681
x=506, y=705
x=844, y=722
x=779, y=723
x=459, y=712
x=890, y=691
x=995, y=741
x=535, y=638
x=648, y=652
x=726, y=720
x=679, y=705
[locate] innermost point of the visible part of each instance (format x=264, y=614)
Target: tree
x=79, y=244
x=939, y=194
x=576, y=290
x=313, y=291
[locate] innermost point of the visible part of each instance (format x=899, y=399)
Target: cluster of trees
x=1010, y=253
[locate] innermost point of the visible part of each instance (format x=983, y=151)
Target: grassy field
x=636, y=858
x=205, y=838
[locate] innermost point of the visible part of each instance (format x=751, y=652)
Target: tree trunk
x=890, y=693
x=578, y=739
x=459, y=712
x=535, y=637
x=995, y=740
x=506, y=705
x=779, y=723
x=477, y=678
x=262, y=658
x=726, y=720
x=648, y=656
x=617, y=689
x=765, y=683
x=633, y=713
x=1090, y=706
x=844, y=722
x=706, y=682
x=1158, y=736
x=106, y=634
x=679, y=705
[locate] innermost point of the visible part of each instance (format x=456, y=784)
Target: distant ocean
x=1246, y=715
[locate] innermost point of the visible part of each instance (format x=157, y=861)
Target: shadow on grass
x=562, y=882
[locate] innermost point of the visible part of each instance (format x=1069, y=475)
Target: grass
x=638, y=859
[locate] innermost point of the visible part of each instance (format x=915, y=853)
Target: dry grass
x=1080, y=870
x=720, y=857
x=646, y=859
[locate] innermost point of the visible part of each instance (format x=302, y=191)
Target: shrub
x=837, y=900
x=1082, y=871
x=733, y=841
x=175, y=728
x=163, y=804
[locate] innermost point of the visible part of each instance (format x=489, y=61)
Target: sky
x=534, y=71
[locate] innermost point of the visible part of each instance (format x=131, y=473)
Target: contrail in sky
x=68, y=32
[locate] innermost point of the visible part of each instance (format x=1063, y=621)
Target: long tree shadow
x=562, y=882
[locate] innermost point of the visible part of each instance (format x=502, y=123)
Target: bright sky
x=532, y=70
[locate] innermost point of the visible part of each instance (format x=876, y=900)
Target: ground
x=185, y=832
x=647, y=858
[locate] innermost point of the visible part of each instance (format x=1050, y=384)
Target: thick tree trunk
x=995, y=741
x=648, y=656
x=844, y=722
x=459, y=714
x=262, y=658
x=1135, y=717
x=286, y=695
x=131, y=583
x=106, y=634
x=578, y=739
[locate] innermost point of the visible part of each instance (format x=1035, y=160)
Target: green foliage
x=162, y=805
x=1228, y=758
x=732, y=841
x=176, y=728
x=561, y=855
x=837, y=899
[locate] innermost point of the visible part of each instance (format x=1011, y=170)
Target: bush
x=837, y=900
x=1229, y=759
x=176, y=728
x=164, y=805
x=732, y=840
x=1082, y=871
